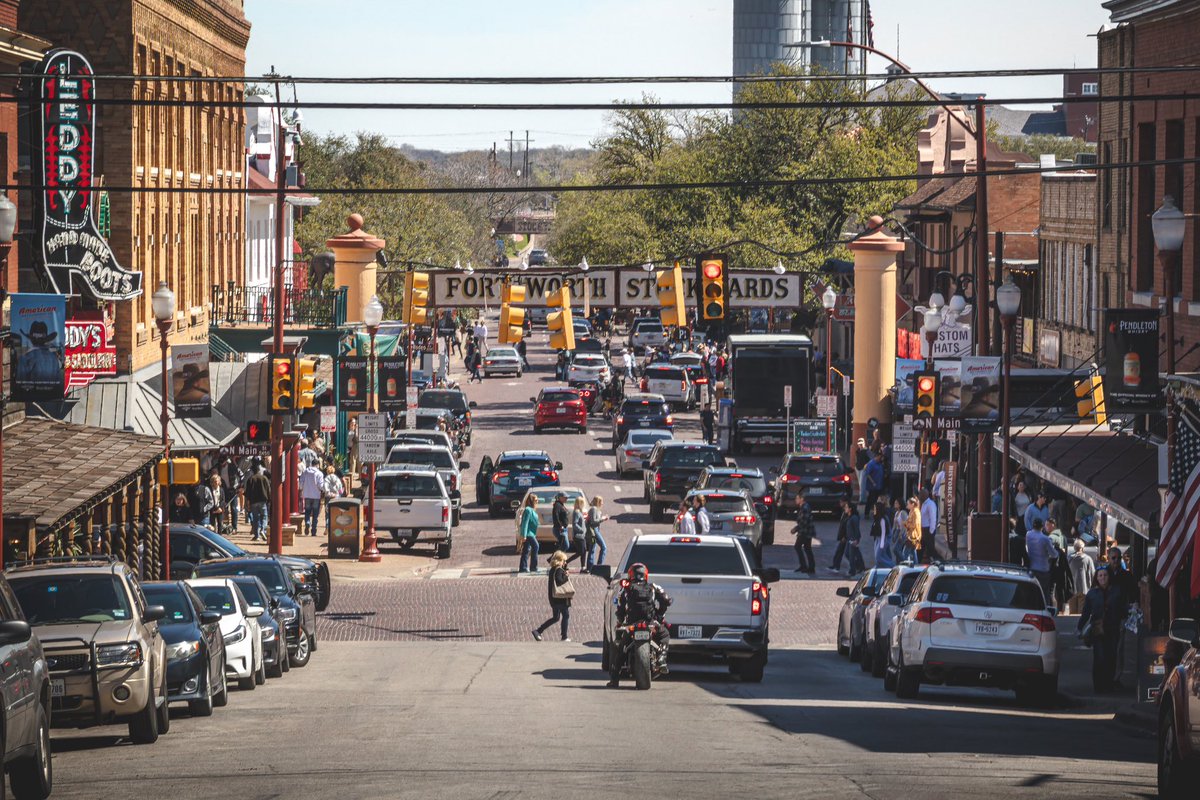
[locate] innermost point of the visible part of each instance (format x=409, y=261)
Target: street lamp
x=372, y=315
x=1169, y=224
x=829, y=300
x=648, y=267
x=779, y=268
x=1008, y=302
x=933, y=323
x=936, y=300
x=583, y=265
x=8, y=219
x=162, y=303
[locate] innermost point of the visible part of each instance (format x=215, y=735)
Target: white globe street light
x=829, y=298
x=373, y=312
x=779, y=268
x=583, y=265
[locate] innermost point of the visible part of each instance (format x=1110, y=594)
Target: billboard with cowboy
x=191, y=389
x=38, y=324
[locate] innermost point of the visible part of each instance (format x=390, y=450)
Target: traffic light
x=562, y=327
x=512, y=320
x=925, y=392
x=416, y=297
x=670, y=297
x=711, y=283
x=1089, y=394
x=283, y=384
x=258, y=431
x=306, y=382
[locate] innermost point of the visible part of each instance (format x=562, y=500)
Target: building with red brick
x=1068, y=314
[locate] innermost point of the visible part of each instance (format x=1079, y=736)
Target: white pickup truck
x=412, y=503
x=720, y=602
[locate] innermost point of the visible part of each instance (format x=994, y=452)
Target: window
x=965, y=590
x=688, y=559
x=1091, y=88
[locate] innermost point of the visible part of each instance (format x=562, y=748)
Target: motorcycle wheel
x=641, y=666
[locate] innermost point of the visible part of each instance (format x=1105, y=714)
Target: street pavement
x=427, y=684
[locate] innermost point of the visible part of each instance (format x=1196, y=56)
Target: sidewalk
x=1075, y=680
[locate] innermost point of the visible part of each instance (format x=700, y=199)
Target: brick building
x=191, y=240
x=1081, y=119
x=1068, y=293
x=1150, y=33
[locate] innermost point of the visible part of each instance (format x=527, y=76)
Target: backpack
x=639, y=602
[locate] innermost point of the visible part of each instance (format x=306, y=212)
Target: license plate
x=987, y=628
x=404, y=533
x=641, y=635
x=816, y=490
x=58, y=687
x=689, y=631
x=524, y=481
x=716, y=526
x=642, y=423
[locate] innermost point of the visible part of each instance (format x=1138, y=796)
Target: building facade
x=1068, y=309
x=190, y=240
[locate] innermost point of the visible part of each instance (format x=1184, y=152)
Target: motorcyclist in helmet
x=640, y=601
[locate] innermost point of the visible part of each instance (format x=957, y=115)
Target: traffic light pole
x=275, y=544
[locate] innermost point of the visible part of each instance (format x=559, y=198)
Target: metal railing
x=254, y=306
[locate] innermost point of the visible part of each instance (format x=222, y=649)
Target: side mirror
x=558, y=465
x=604, y=571
x=770, y=575
x=213, y=554
x=210, y=617
x=15, y=631
x=254, y=611
x=154, y=614
x=843, y=591
x=896, y=600
x=182, y=570
x=533, y=399
x=1185, y=631
x=472, y=404
x=464, y=465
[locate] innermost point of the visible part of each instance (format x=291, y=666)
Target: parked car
x=501, y=484
x=1179, y=714
x=432, y=438
x=538, y=257
x=440, y=459
x=239, y=627
x=753, y=483
x=559, y=408
x=852, y=617
x=545, y=496
x=731, y=513
x=298, y=609
x=195, y=647
x=454, y=401
x=271, y=625
x=824, y=478
x=105, y=654
x=636, y=447
x=25, y=712
x=877, y=619
x=502, y=359
x=411, y=504
x=590, y=368
x=641, y=411
x=672, y=469
x=974, y=624
x=693, y=365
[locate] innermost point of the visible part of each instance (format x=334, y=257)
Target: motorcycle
x=642, y=657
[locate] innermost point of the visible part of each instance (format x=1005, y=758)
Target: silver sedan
x=637, y=446
x=502, y=360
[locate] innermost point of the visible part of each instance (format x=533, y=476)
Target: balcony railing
x=254, y=306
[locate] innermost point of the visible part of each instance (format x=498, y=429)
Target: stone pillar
x=874, y=325
x=355, y=265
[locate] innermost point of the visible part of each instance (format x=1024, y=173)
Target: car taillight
x=841, y=478
x=499, y=476
x=620, y=420
x=445, y=513
x=768, y=500
x=790, y=478
x=683, y=386
x=701, y=381
x=453, y=482
x=685, y=540
x=758, y=593
x=1043, y=623
x=670, y=420
x=933, y=614
x=657, y=480
x=745, y=519
x=551, y=474
x=468, y=417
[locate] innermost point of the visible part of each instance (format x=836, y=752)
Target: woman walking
x=559, y=591
x=579, y=514
x=528, y=528
x=594, y=539
x=912, y=530
x=881, y=532
x=1083, y=575
x=1100, y=627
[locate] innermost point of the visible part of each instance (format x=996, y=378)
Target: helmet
x=638, y=573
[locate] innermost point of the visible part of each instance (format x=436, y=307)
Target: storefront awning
x=1116, y=473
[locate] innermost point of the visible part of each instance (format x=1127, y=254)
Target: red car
x=1179, y=714
x=559, y=408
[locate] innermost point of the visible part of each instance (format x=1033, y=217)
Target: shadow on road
x=76, y=744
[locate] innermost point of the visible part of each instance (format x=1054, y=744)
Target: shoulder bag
x=564, y=590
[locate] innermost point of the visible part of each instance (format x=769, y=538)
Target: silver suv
x=106, y=657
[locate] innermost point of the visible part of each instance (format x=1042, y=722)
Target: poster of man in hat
x=191, y=390
x=38, y=325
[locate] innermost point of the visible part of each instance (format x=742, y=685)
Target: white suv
x=974, y=624
x=877, y=619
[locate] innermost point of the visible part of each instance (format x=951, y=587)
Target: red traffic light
x=283, y=367
x=935, y=447
x=712, y=270
x=925, y=384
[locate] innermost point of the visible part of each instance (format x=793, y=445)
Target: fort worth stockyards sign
x=625, y=287
x=73, y=253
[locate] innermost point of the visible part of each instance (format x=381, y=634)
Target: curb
x=1139, y=717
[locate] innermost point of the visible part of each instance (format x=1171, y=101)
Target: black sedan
x=194, y=646
x=272, y=624
x=295, y=600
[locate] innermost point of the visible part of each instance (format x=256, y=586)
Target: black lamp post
x=1008, y=302
x=162, y=303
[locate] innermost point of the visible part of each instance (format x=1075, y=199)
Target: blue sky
x=612, y=37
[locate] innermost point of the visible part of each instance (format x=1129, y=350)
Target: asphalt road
x=432, y=687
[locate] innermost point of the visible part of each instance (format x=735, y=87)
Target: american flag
x=870, y=25
x=1182, y=503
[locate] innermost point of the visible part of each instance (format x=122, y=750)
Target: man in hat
x=560, y=521
x=39, y=363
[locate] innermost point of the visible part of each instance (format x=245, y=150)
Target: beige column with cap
x=355, y=265
x=874, y=325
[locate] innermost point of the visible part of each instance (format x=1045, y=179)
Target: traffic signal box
x=562, y=328
x=710, y=279
x=416, y=298
x=1089, y=395
x=670, y=297
x=512, y=320
x=925, y=393
x=306, y=383
x=283, y=383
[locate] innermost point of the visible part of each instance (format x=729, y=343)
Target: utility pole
x=275, y=545
x=511, y=141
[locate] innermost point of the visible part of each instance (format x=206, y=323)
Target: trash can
x=345, y=527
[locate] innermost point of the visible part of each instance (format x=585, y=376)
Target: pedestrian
x=899, y=530
x=307, y=456
x=929, y=519
x=481, y=335
x=233, y=479
x=1126, y=587
x=914, y=530
x=181, y=510
x=474, y=360
x=579, y=548
x=685, y=523
x=216, y=505
x=521, y=351
x=703, y=520
x=333, y=490
x=707, y=422
x=352, y=446
x=312, y=489
x=853, y=537
x=1058, y=570
x=594, y=538
x=258, y=499
x=559, y=591
x=560, y=366
x=560, y=521
x=1037, y=510
x=529, y=528
x=805, y=533
x=1021, y=502
x=1099, y=626
x=843, y=534
x=862, y=457
x=627, y=361
x=873, y=479
x=1083, y=574
x=881, y=533
x=1042, y=554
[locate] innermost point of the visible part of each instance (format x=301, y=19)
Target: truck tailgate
x=708, y=600
x=422, y=513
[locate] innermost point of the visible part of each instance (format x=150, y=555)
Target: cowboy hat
x=39, y=334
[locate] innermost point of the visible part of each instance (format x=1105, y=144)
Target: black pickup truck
x=672, y=469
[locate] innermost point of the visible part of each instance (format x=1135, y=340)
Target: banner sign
x=392, y=384
x=328, y=419
x=88, y=353
x=980, y=394
x=809, y=436
x=949, y=400
x=38, y=330
x=616, y=287
x=191, y=388
x=905, y=367
x=953, y=341
x=950, y=502
x=352, y=383
x=73, y=254
x=1131, y=360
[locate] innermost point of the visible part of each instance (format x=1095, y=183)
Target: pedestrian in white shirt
x=686, y=522
x=481, y=335
x=312, y=491
x=929, y=519
x=703, y=521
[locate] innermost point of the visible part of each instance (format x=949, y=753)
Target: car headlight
x=288, y=614
x=117, y=655
x=181, y=650
x=268, y=633
x=236, y=635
